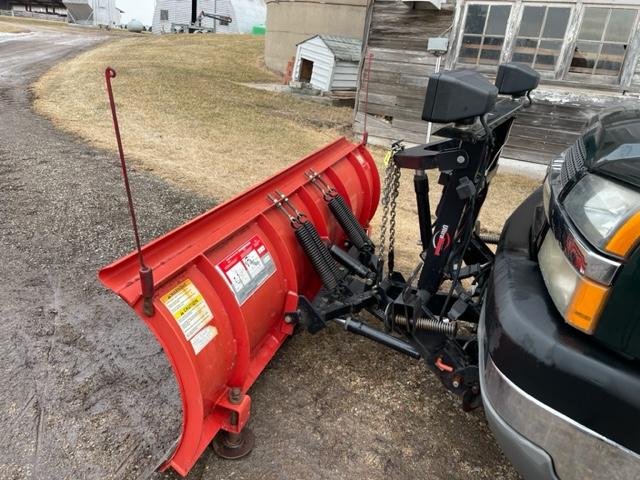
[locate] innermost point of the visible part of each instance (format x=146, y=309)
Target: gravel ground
x=85, y=391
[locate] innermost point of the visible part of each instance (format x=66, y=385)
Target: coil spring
x=318, y=255
x=349, y=223
x=326, y=253
x=490, y=238
x=429, y=325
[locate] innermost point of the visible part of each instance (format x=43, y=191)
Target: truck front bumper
x=559, y=404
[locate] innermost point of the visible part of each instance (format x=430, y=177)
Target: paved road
x=85, y=392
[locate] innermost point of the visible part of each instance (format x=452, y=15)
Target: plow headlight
x=606, y=213
x=578, y=299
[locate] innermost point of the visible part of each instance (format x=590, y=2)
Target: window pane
x=498, y=18
x=556, y=24
x=611, y=59
x=531, y=21
x=584, y=57
x=470, y=49
x=593, y=23
x=522, y=58
x=491, y=48
x=476, y=18
x=525, y=51
x=620, y=25
x=548, y=54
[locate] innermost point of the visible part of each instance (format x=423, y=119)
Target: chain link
x=390, y=189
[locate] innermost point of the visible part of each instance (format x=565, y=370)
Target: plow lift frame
x=439, y=326
x=229, y=286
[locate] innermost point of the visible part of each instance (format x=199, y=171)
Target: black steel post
x=421, y=184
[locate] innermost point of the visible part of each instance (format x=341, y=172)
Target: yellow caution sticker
x=190, y=310
x=387, y=158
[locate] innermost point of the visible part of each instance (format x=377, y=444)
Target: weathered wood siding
x=545, y=129
x=399, y=71
x=399, y=64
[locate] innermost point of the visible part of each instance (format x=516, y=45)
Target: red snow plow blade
x=225, y=281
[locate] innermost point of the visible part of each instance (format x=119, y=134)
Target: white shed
x=328, y=62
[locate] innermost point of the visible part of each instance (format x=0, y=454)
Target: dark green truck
x=559, y=334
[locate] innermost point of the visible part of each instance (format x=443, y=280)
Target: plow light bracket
x=458, y=96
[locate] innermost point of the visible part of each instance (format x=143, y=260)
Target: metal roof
x=343, y=48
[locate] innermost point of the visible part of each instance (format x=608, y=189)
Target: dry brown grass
x=184, y=116
x=11, y=27
x=182, y=112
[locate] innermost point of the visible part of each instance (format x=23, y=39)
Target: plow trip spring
x=228, y=288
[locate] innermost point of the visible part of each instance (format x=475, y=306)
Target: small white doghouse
x=328, y=63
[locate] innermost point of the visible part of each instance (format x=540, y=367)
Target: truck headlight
x=606, y=213
x=578, y=299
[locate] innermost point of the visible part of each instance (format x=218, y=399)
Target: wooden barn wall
x=399, y=71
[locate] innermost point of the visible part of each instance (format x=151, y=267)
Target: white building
x=41, y=9
x=84, y=12
x=245, y=14
x=93, y=12
x=328, y=62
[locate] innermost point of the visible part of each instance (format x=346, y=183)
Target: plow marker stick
x=146, y=274
x=226, y=281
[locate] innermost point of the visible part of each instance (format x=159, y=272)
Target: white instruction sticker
x=247, y=268
x=203, y=337
x=188, y=307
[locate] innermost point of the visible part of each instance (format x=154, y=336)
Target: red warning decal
x=441, y=240
x=246, y=269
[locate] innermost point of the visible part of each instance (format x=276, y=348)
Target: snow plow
x=223, y=292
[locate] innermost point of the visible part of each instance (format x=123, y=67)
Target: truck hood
x=612, y=145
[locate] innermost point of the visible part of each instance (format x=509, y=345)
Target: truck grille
x=573, y=162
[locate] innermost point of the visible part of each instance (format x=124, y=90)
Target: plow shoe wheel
x=234, y=445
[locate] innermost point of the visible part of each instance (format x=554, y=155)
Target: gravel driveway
x=86, y=392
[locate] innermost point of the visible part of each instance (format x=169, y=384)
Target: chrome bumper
x=543, y=443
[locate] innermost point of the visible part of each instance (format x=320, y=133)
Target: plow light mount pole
x=146, y=273
x=438, y=47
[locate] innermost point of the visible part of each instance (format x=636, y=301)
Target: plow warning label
x=247, y=268
x=190, y=309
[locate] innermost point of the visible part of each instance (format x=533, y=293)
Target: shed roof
x=343, y=48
